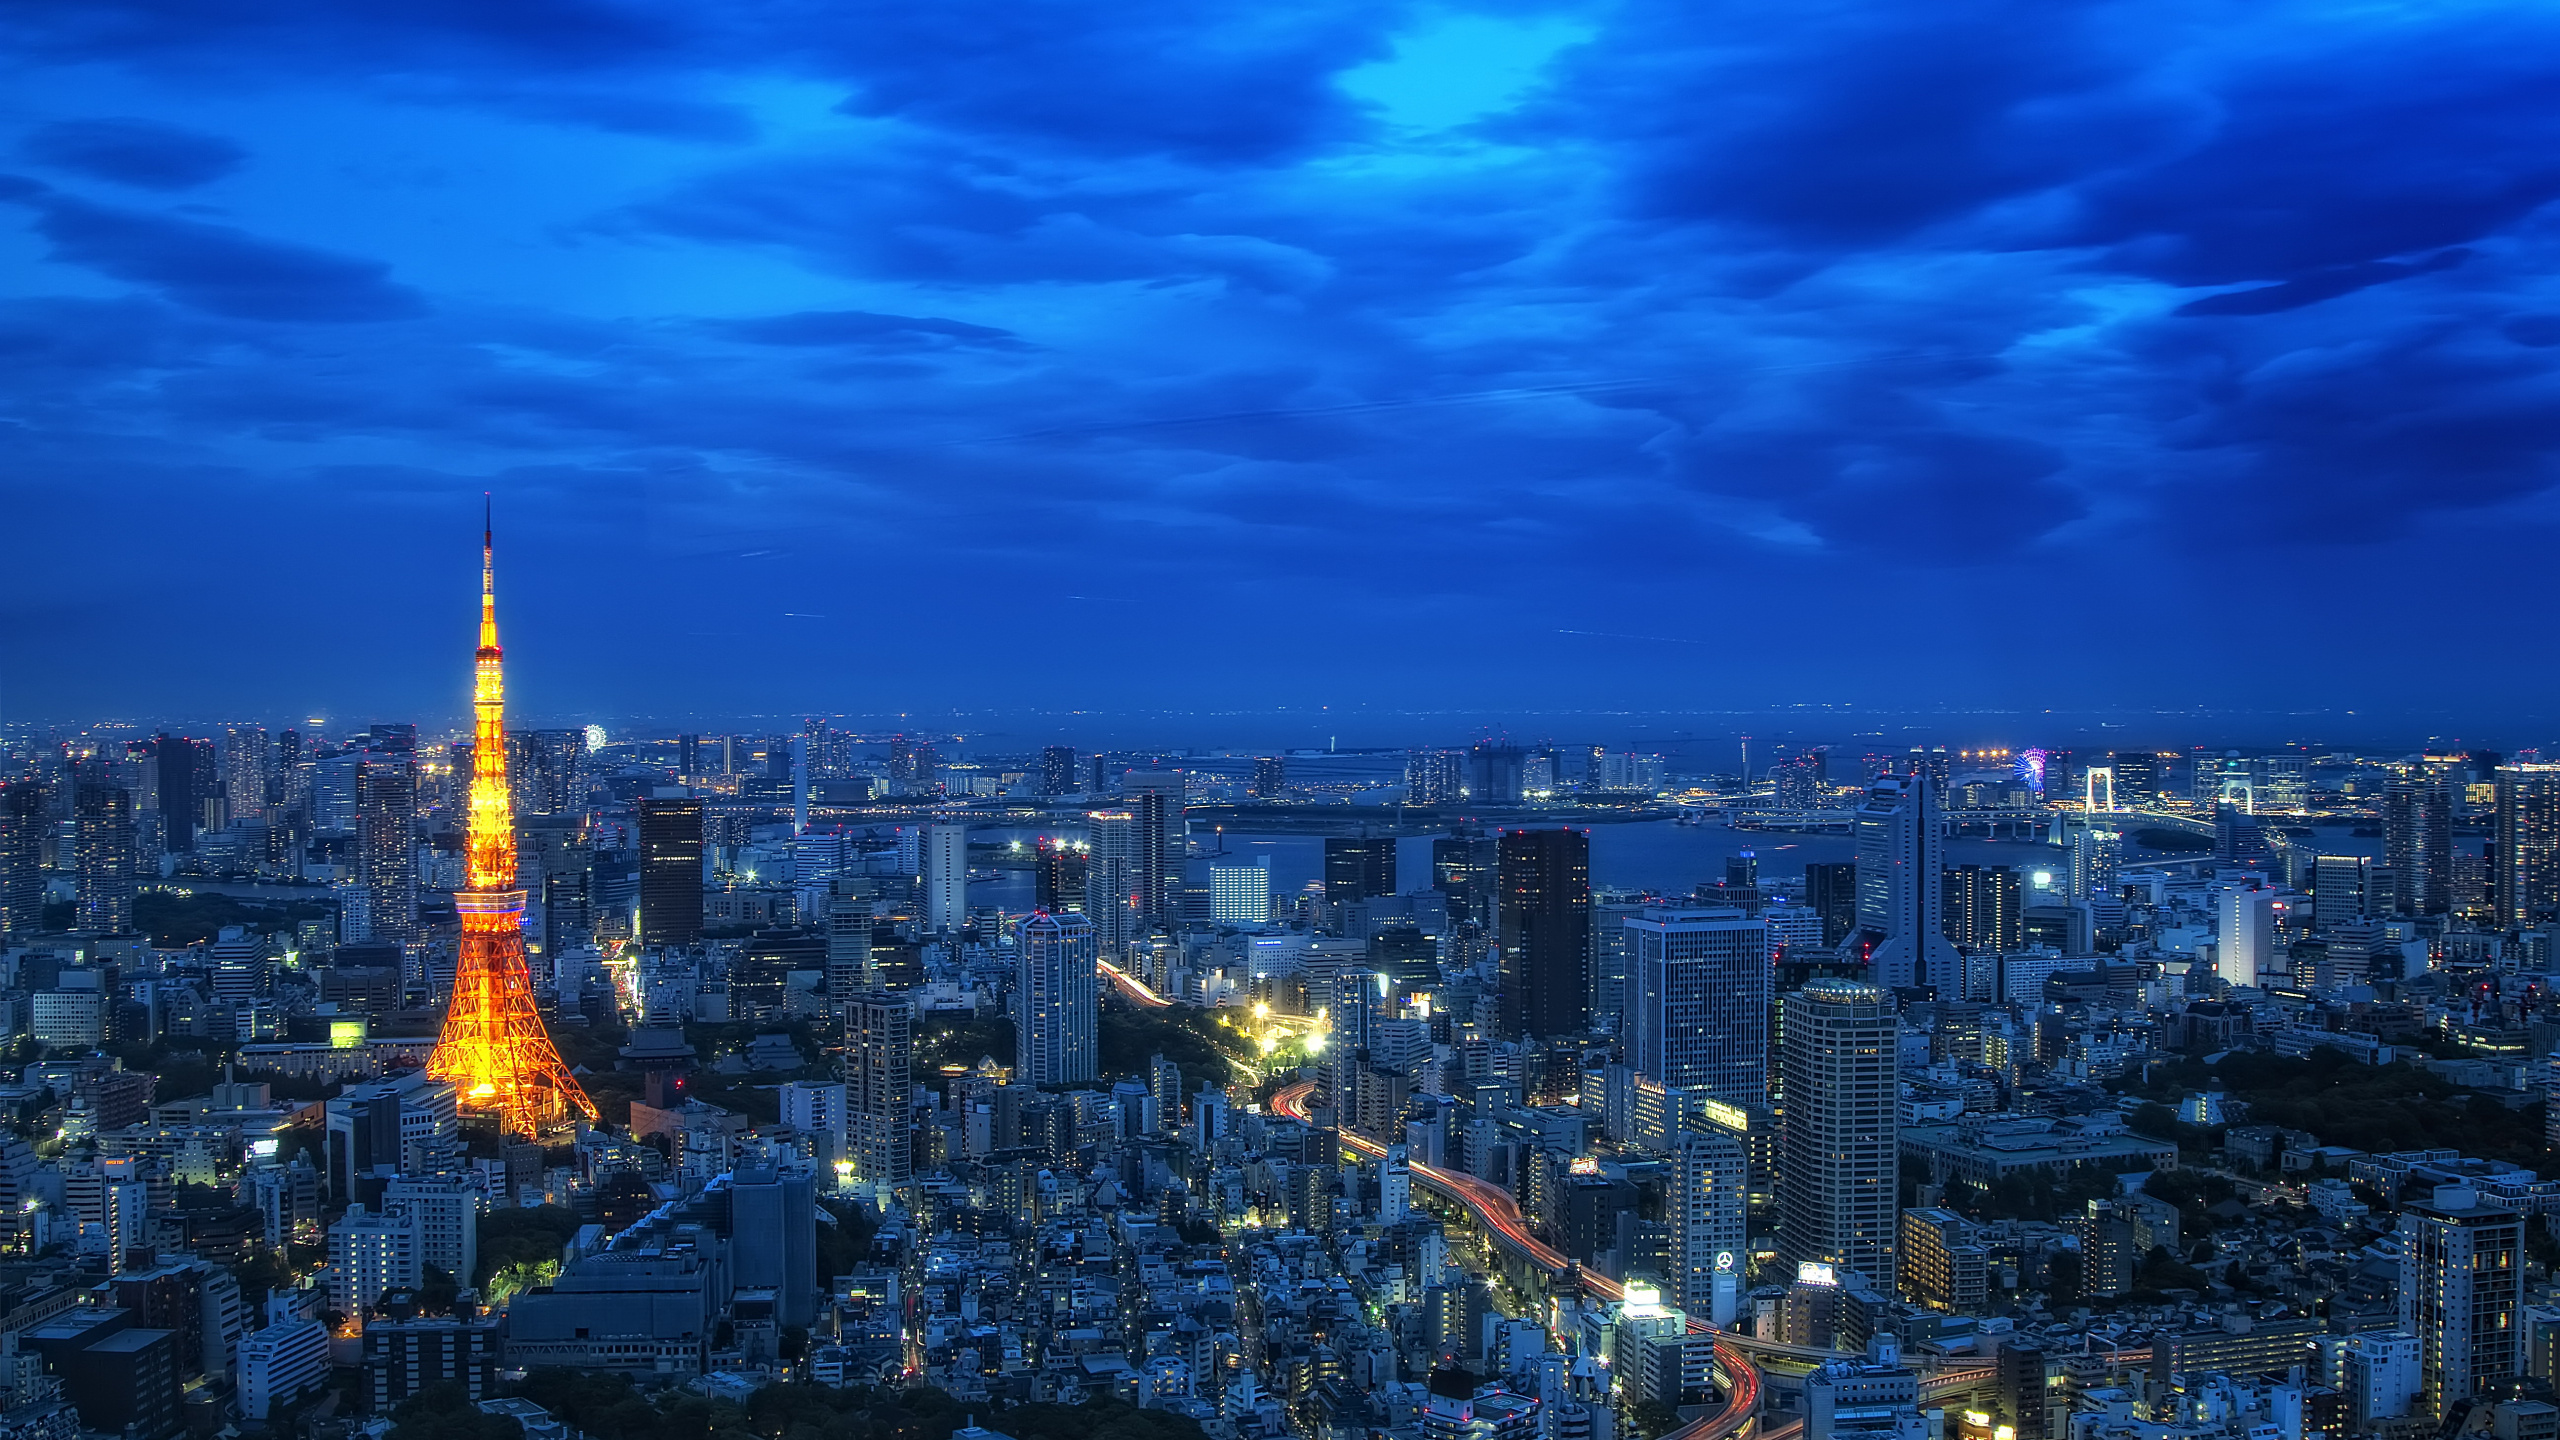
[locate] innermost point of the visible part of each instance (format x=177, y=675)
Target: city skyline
x=2079, y=331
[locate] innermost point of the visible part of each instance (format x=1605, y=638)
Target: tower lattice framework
x=494, y=1048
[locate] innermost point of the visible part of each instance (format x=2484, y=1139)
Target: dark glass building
x=1545, y=932
x=670, y=870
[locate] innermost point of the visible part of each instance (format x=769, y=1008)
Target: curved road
x=1500, y=1214
x=1131, y=986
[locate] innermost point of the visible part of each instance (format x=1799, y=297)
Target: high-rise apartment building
x=1840, y=1138
x=1697, y=1013
x=244, y=772
x=2417, y=840
x=1111, y=878
x=946, y=878
x=386, y=827
x=1983, y=908
x=1057, y=770
x=548, y=771
x=879, y=1075
x=1270, y=777
x=1901, y=837
x=1544, y=881
x=22, y=826
x=1435, y=777
x=2524, y=886
x=2461, y=1288
x=1359, y=868
x=103, y=814
x=1054, y=995
x=670, y=869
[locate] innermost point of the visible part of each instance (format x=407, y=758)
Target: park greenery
x=2342, y=1101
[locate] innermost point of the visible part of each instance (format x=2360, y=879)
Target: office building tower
x=688, y=758
x=773, y=1239
x=1395, y=1185
x=2095, y=853
x=1351, y=1000
x=1495, y=771
x=555, y=867
x=1359, y=869
x=1467, y=869
x=1270, y=777
x=1155, y=797
x=1057, y=770
x=1111, y=878
x=1901, y=838
x=1164, y=1086
x=2417, y=841
x=1943, y=1261
x=548, y=771
x=670, y=869
x=1831, y=891
x=879, y=1078
x=104, y=816
x=371, y=1254
x=2524, y=853
x=386, y=829
x=1058, y=873
x=180, y=789
x=2461, y=1277
x=1240, y=894
x=23, y=821
x=1705, y=1203
x=1054, y=997
x=946, y=878
x=244, y=772
x=1839, y=1140
x=1698, y=1006
x=2337, y=890
x=2137, y=778
x=1544, y=920
x=1983, y=908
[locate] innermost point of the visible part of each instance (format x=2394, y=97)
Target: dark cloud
x=2319, y=285
x=217, y=269
x=145, y=153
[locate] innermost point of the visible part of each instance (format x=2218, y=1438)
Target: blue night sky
x=1051, y=353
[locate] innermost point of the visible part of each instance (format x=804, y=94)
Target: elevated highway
x=1501, y=1218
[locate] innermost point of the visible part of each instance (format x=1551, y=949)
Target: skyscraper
x=1359, y=868
x=2461, y=1285
x=181, y=806
x=1982, y=908
x=1705, y=1203
x=494, y=1051
x=2417, y=841
x=670, y=870
x=1111, y=880
x=946, y=878
x=2245, y=936
x=2524, y=888
x=1058, y=874
x=1054, y=985
x=1270, y=777
x=2137, y=778
x=244, y=771
x=1545, y=932
x=1155, y=798
x=1240, y=894
x=104, y=815
x=549, y=770
x=1831, y=891
x=2337, y=890
x=386, y=827
x=879, y=1074
x=22, y=827
x=1057, y=770
x=1838, y=1143
x=1698, y=1001
x=1901, y=840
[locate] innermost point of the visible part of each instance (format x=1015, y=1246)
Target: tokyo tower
x=494, y=1049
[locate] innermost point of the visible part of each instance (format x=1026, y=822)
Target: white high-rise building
x=879, y=1072
x=1395, y=1186
x=1111, y=879
x=370, y=1254
x=2382, y=1374
x=282, y=1363
x=2245, y=939
x=446, y=1210
x=1706, y=1205
x=244, y=772
x=1902, y=840
x=1839, y=1144
x=1054, y=997
x=946, y=877
x=1240, y=894
x=816, y=1109
x=1698, y=1001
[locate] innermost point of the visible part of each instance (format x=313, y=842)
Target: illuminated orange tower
x=494, y=1049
